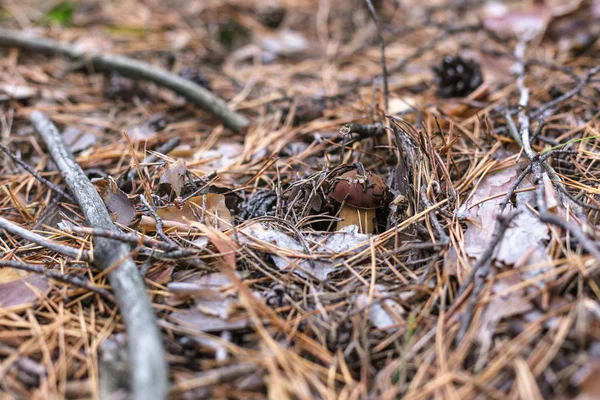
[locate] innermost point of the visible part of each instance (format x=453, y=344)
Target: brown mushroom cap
x=363, y=191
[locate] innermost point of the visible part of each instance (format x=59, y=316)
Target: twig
x=37, y=176
x=401, y=64
x=386, y=90
x=444, y=239
x=363, y=130
x=132, y=68
x=573, y=92
x=52, y=274
x=159, y=222
x=131, y=238
x=148, y=366
x=480, y=272
x=68, y=251
x=218, y=375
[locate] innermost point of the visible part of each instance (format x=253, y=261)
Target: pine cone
x=260, y=203
x=456, y=77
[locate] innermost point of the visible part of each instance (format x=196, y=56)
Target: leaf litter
x=256, y=293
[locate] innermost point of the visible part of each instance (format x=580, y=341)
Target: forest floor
x=343, y=230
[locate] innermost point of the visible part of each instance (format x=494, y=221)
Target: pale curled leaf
x=502, y=307
x=294, y=254
x=384, y=313
x=16, y=92
x=285, y=43
x=527, y=233
x=195, y=318
x=174, y=176
x=209, y=209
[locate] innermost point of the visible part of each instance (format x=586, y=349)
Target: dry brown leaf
x=224, y=155
x=117, y=202
x=11, y=274
x=19, y=293
x=222, y=242
x=587, y=379
x=521, y=17
x=284, y=43
x=160, y=275
x=77, y=139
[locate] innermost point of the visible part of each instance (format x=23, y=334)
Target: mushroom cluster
x=359, y=195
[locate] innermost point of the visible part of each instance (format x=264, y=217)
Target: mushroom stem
x=364, y=219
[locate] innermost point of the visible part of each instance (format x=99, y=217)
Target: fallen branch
x=68, y=251
x=132, y=68
x=149, y=369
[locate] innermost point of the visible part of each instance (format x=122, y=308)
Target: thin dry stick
x=68, y=251
x=386, y=90
x=159, y=222
x=52, y=274
x=131, y=238
x=133, y=68
x=214, y=376
x=33, y=173
x=146, y=353
x=442, y=236
x=573, y=92
x=480, y=272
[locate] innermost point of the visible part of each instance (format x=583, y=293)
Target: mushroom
x=360, y=195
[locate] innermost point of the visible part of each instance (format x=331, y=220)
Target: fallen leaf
x=209, y=208
x=587, y=378
x=173, y=178
x=206, y=287
x=478, y=234
x=288, y=252
x=223, y=156
x=502, y=307
x=399, y=105
x=526, y=233
x=206, y=323
x=284, y=43
x=119, y=205
x=18, y=292
x=15, y=92
x=160, y=275
x=223, y=243
x=517, y=20
x=521, y=17
x=78, y=140
x=11, y=274
x=384, y=314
